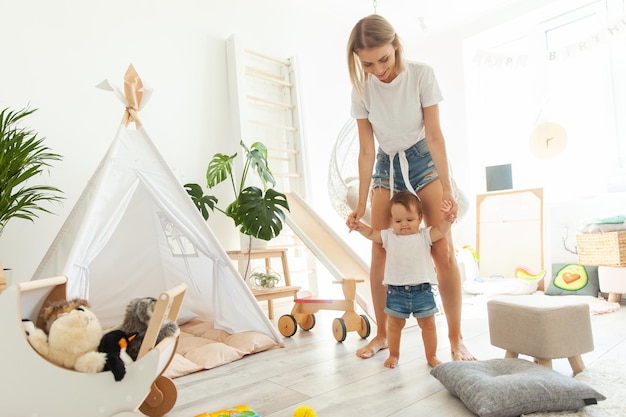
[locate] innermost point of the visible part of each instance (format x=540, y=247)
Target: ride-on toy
x=304, y=309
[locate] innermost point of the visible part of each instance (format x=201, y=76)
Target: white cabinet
x=509, y=231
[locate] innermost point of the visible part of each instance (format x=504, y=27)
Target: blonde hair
x=370, y=32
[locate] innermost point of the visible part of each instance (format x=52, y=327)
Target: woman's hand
x=446, y=209
x=447, y=196
x=353, y=219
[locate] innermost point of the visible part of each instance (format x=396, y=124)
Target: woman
x=397, y=101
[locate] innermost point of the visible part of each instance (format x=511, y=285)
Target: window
x=178, y=243
x=567, y=67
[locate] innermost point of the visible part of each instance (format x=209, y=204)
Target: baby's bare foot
x=433, y=361
x=391, y=362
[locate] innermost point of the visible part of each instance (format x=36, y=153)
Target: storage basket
x=607, y=249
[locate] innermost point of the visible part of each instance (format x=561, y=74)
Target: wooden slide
x=330, y=249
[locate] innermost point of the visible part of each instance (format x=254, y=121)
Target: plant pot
x=249, y=243
x=263, y=278
x=6, y=277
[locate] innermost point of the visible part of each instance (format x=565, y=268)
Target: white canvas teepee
x=135, y=232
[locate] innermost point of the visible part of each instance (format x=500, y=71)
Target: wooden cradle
x=33, y=386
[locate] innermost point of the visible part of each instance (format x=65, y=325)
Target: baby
x=409, y=271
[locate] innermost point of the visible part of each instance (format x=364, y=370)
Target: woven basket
x=607, y=249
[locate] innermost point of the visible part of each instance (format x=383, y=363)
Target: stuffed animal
x=138, y=314
x=53, y=310
x=114, y=344
x=72, y=342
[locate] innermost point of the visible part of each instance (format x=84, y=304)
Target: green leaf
x=23, y=157
x=257, y=154
x=219, y=169
x=202, y=202
x=261, y=215
x=256, y=212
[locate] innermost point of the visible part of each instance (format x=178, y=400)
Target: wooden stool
x=544, y=327
x=267, y=294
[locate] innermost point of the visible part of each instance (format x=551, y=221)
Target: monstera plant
x=257, y=212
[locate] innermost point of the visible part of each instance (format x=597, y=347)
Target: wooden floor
x=313, y=369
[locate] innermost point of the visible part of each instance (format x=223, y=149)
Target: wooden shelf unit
x=267, y=294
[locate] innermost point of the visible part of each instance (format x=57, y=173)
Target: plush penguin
x=114, y=344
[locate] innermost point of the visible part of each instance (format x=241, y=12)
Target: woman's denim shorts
x=422, y=169
x=404, y=300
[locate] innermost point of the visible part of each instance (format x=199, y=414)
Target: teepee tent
x=135, y=232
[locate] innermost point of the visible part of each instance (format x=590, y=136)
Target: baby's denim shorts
x=404, y=300
x=422, y=169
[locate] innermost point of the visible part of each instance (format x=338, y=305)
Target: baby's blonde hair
x=370, y=32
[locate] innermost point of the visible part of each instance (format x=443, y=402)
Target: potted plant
x=5, y=274
x=23, y=156
x=265, y=278
x=257, y=212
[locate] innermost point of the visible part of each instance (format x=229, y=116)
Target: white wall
x=324, y=27
x=55, y=52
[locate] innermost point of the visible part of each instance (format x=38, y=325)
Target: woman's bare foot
x=391, y=362
x=461, y=353
x=376, y=344
x=433, y=361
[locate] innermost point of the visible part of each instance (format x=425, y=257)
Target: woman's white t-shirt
x=395, y=109
x=408, y=258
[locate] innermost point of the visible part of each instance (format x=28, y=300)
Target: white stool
x=544, y=327
x=613, y=281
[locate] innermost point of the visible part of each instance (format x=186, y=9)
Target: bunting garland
x=516, y=61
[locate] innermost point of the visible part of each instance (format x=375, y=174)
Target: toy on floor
x=525, y=273
x=237, y=411
x=303, y=311
x=498, y=285
x=60, y=392
x=523, y=282
x=304, y=411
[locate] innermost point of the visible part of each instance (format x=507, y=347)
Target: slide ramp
x=330, y=249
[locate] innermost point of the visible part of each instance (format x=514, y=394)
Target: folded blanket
x=604, y=224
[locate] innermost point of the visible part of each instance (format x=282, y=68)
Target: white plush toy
x=72, y=342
